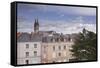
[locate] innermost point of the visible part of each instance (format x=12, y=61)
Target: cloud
x=60, y=26
x=67, y=27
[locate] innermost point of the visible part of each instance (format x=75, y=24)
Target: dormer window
x=69, y=39
x=44, y=39
x=52, y=40
x=57, y=40
x=62, y=39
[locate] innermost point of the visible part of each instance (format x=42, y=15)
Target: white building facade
x=28, y=53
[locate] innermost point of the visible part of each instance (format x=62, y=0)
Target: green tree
x=85, y=45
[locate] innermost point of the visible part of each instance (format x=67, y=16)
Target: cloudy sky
x=62, y=19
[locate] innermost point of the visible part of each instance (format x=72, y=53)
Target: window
x=27, y=45
x=64, y=47
x=69, y=39
x=27, y=61
x=59, y=54
x=27, y=54
x=59, y=47
x=52, y=40
x=44, y=39
x=35, y=45
x=35, y=53
x=57, y=39
x=62, y=39
x=53, y=48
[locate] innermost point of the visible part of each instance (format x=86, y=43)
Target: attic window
x=69, y=39
x=57, y=39
x=62, y=39
x=52, y=40
x=44, y=39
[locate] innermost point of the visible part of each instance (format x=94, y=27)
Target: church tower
x=36, y=26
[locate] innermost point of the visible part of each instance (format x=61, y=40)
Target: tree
x=85, y=46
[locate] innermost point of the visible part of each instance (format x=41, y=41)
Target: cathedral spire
x=36, y=26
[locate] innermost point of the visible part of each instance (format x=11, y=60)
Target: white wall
x=5, y=34
x=21, y=49
x=21, y=52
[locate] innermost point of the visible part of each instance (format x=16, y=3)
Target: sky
x=62, y=19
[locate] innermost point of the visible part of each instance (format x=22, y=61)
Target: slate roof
x=55, y=37
x=26, y=37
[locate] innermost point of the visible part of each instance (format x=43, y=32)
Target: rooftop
x=44, y=36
